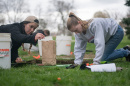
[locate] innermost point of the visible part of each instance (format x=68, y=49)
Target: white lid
x=63, y=37
x=5, y=37
x=46, y=38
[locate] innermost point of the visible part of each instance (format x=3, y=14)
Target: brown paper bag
x=48, y=52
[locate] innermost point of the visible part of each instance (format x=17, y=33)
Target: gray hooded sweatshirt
x=99, y=32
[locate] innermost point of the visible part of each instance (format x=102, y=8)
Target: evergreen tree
x=127, y=3
x=126, y=21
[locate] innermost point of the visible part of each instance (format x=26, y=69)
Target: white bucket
x=27, y=46
x=63, y=45
x=5, y=50
x=40, y=43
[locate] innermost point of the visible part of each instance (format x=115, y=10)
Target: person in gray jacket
x=105, y=33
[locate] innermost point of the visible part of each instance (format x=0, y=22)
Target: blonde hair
x=73, y=21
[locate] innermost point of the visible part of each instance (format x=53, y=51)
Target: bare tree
x=109, y=14
x=14, y=9
x=39, y=12
x=42, y=24
x=2, y=19
x=116, y=15
x=101, y=14
x=63, y=8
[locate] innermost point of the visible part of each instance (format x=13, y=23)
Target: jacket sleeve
x=17, y=36
x=99, y=42
x=79, y=49
x=14, y=54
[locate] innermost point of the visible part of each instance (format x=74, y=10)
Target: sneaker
x=128, y=57
x=72, y=66
x=127, y=47
x=83, y=67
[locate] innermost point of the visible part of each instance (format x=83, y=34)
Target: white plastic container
x=40, y=43
x=63, y=45
x=111, y=67
x=33, y=48
x=5, y=50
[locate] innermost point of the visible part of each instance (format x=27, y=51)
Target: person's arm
x=34, y=33
x=22, y=38
x=14, y=54
x=99, y=41
x=79, y=49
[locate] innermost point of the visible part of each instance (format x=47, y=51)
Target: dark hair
x=25, y=22
x=43, y=32
x=22, y=23
x=48, y=32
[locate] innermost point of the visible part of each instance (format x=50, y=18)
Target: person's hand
x=18, y=60
x=39, y=36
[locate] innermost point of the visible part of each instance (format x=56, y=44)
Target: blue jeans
x=110, y=53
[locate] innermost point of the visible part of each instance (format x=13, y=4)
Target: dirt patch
x=86, y=56
x=66, y=61
x=58, y=61
x=63, y=59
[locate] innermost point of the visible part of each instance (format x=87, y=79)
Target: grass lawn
x=34, y=75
